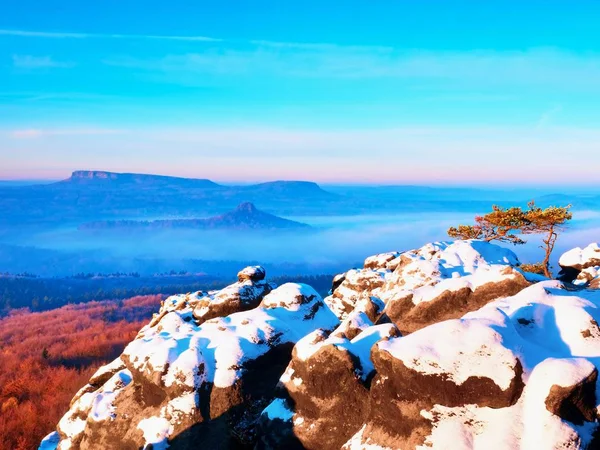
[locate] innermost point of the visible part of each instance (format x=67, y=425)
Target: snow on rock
x=580, y=265
x=360, y=441
x=105, y=372
x=95, y=402
x=327, y=381
x=580, y=258
x=156, y=431
x=519, y=373
x=381, y=261
x=183, y=373
x=588, y=277
x=543, y=418
x=241, y=296
x=439, y=281
x=102, y=407
x=445, y=347
x=246, y=294
x=353, y=286
x=479, y=347
x=252, y=273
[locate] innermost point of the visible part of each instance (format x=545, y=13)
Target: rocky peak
x=246, y=207
x=247, y=216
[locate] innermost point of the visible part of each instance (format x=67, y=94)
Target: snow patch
x=156, y=431
x=361, y=442
x=480, y=347
x=580, y=256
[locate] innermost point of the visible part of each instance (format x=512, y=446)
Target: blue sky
x=376, y=92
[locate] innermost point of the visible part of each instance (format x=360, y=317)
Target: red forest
x=47, y=357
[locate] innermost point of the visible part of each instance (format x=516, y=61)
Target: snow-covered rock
x=518, y=373
x=182, y=377
x=327, y=381
x=580, y=265
x=246, y=294
x=445, y=347
x=588, y=277
x=252, y=273
x=439, y=281
x=581, y=258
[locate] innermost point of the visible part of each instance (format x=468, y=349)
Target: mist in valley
x=333, y=244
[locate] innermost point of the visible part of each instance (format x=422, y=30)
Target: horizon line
x=231, y=182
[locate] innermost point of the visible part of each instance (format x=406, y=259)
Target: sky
x=380, y=92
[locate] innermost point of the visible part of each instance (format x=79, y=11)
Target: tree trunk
x=549, y=242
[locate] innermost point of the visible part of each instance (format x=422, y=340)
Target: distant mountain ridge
x=92, y=195
x=99, y=176
x=245, y=217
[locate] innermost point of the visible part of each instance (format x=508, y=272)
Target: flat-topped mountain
x=95, y=177
x=288, y=188
x=99, y=178
x=245, y=217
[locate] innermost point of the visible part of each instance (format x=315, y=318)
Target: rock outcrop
x=196, y=383
x=246, y=294
x=449, y=346
x=581, y=266
x=327, y=382
x=518, y=373
x=439, y=281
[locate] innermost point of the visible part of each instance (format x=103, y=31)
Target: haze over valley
x=103, y=222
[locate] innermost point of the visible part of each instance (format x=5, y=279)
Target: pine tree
x=508, y=225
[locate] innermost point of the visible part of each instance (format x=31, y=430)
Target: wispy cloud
x=470, y=97
x=69, y=35
x=538, y=67
x=34, y=133
x=320, y=46
x=43, y=34
x=40, y=96
x=38, y=62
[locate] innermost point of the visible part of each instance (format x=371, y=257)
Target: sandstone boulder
x=439, y=281
x=327, y=382
x=187, y=384
x=518, y=373
x=580, y=265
